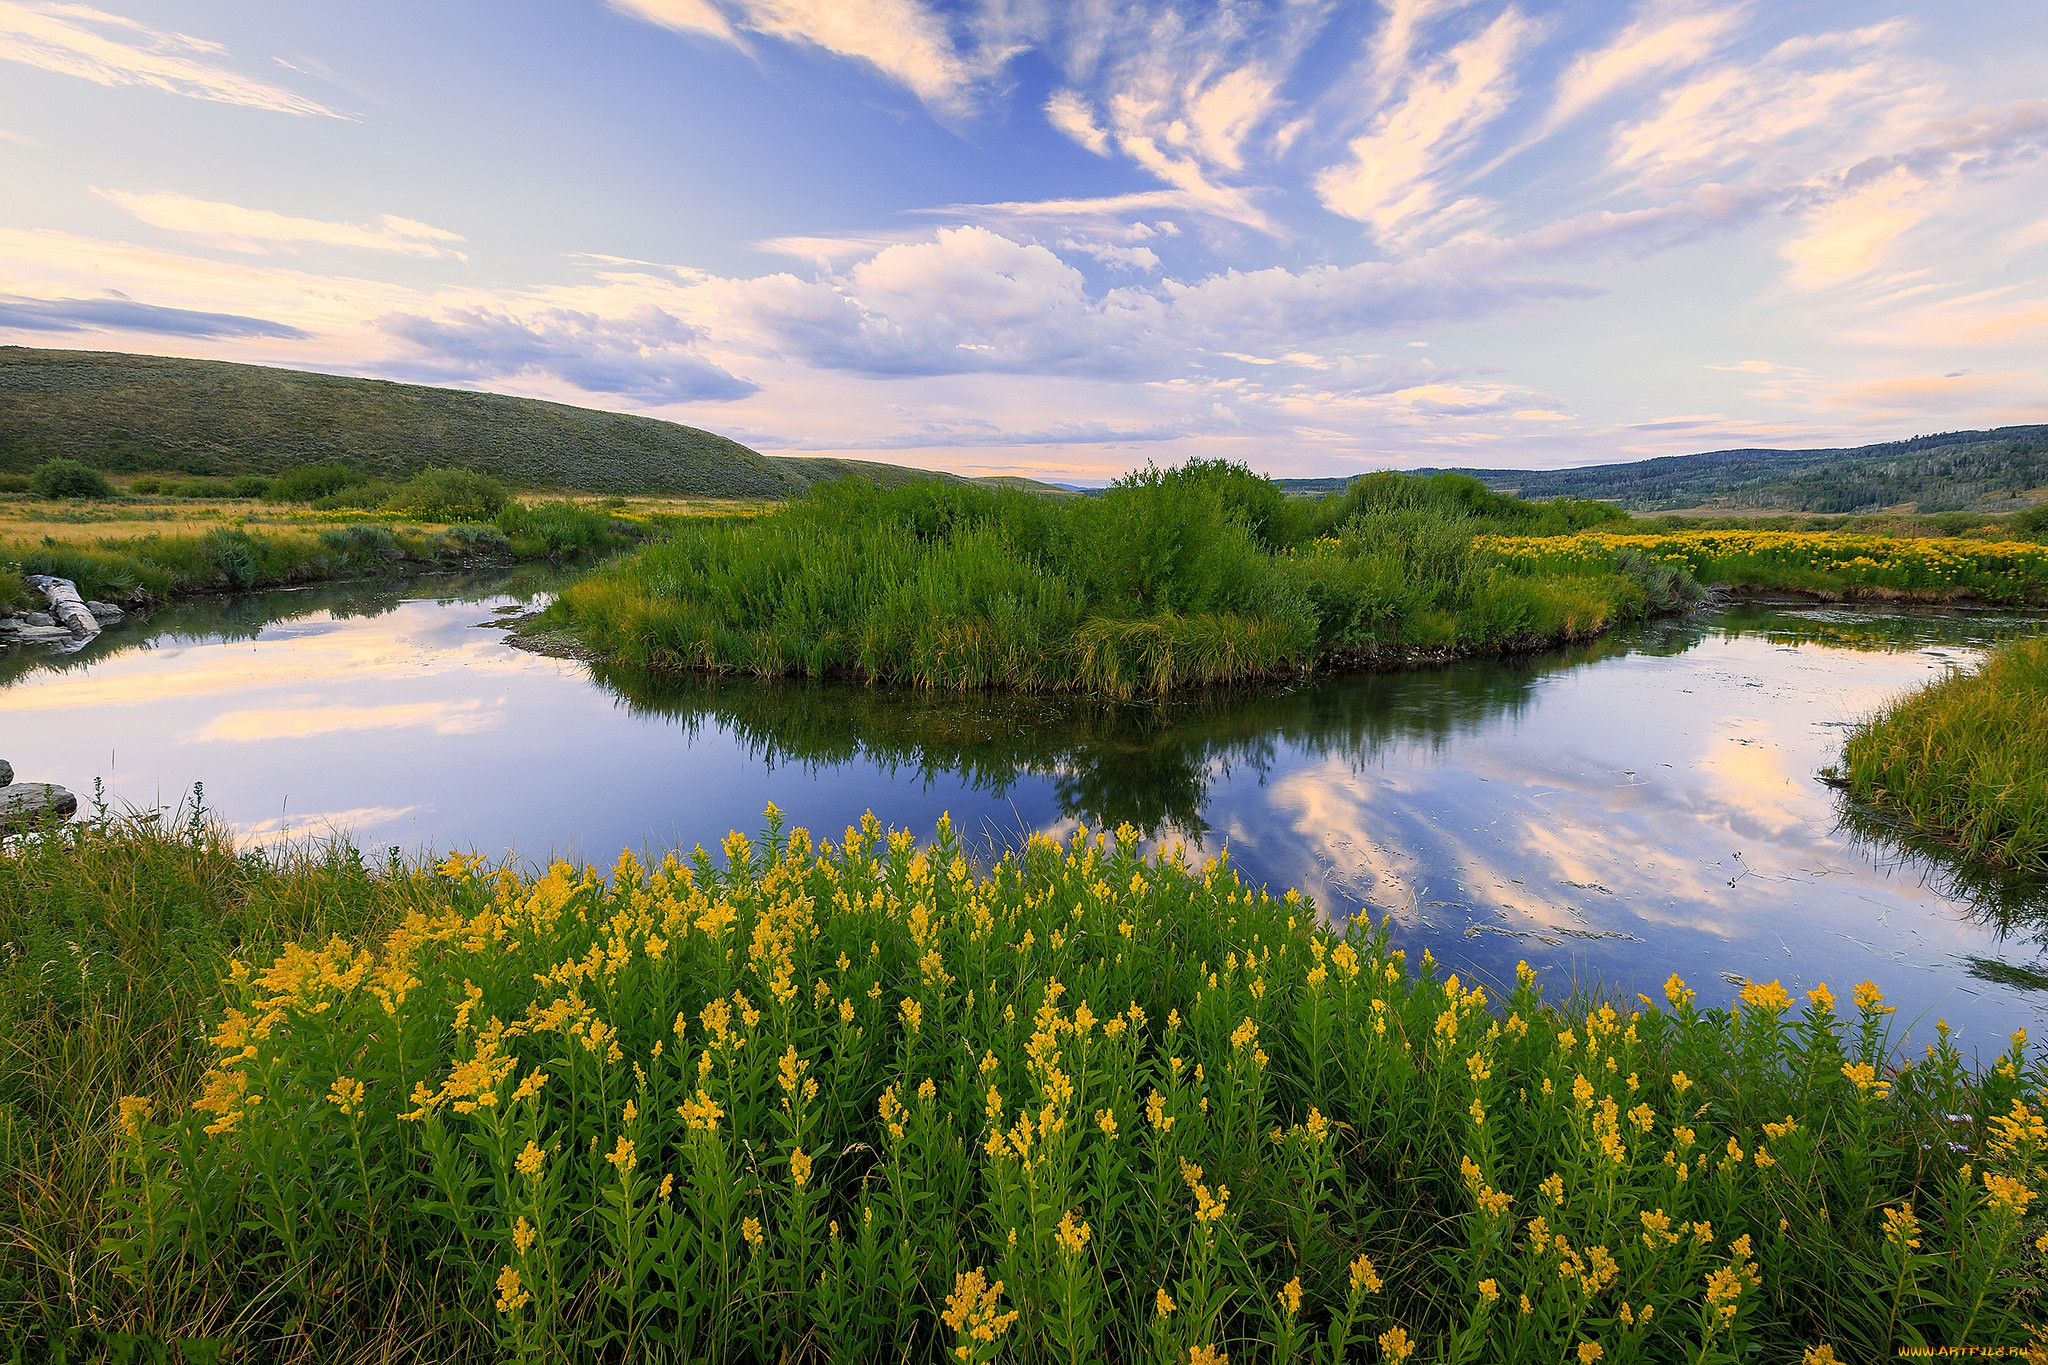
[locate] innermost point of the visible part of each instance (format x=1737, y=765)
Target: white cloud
x=645, y=354
x=1068, y=111
x=1394, y=181
x=902, y=39
x=259, y=230
x=1114, y=256
x=1848, y=237
x=1665, y=38
x=77, y=40
x=1803, y=108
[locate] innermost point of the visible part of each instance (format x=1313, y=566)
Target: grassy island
x=1200, y=574
x=864, y=1100
x=1964, y=760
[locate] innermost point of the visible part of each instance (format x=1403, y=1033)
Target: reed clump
x=863, y=1101
x=1964, y=760
x=1200, y=574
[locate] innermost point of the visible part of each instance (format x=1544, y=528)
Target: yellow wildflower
x=622, y=1157
x=1072, y=1235
x=1395, y=1346
x=799, y=1168
x=1768, y=996
x=1290, y=1296
x=973, y=1309
x=523, y=1235
x=511, y=1295
x=529, y=1162
x=1364, y=1279
x=1589, y=1351
x=750, y=1232
x=1163, y=1304
x=1677, y=992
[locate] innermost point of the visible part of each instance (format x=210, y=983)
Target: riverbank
x=799, y=1101
x=141, y=555
x=1964, y=760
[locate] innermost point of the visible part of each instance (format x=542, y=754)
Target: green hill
x=1978, y=471
x=139, y=413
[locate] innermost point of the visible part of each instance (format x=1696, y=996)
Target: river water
x=1617, y=812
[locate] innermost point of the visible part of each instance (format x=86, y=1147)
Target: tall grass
x=1202, y=574
x=1965, y=759
x=863, y=1102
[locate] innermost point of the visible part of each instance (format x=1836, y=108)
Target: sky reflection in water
x=1623, y=810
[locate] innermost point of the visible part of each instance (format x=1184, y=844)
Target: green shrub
x=61, y=478
x=2031, y=524
x=562, y=528
x=450, y=495
x=249, y=486
x=313, y=481
x=363, y=496
x=207, y=489
x=146, y=484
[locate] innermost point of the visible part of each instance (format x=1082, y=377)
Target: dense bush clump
x=69, y=479
x=450, y=495
x=1203, y=573
x=1965, y=759
x=311, y=481
x=861, y=1102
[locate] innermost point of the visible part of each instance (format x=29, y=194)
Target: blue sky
x=1065, y=239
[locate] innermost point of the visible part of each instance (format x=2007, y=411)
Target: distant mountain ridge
x=160, y=413
x=2002, y=469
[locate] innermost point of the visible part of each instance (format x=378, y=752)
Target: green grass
x=161, y=414
x=797, y=1104
x=1203, y=574
x=239, y=558
x=1964, y=760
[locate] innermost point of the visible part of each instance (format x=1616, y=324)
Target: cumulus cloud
x=259, y=230
x=117, y=312
x=646, y=355
x=77, y=40
x=972, y=300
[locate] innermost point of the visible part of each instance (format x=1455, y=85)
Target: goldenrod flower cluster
x=1083, y=1103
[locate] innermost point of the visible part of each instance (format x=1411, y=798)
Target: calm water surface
x=1644, y=805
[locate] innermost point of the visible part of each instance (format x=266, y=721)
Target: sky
x=1066, y=239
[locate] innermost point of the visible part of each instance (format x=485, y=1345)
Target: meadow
x=1206, y=573
x=1823, y=564
x=1964, y=760
x=816, y=1101
x=138, y=549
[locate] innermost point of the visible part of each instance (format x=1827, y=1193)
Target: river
x=1612, y=813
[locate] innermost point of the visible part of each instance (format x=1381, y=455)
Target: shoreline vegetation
x=1964, y=760
x=1202, y=574
x=816, y=1101
x=337, y=525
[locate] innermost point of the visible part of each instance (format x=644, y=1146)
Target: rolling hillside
x=1979, y=471
x=133, y=413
